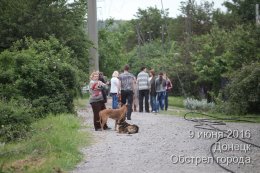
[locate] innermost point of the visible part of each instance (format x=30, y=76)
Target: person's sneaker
x=153, y=112
x=98, y=129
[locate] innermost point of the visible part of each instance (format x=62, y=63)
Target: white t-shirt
x=115, y=85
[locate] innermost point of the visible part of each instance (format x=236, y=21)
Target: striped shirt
x=127, y=80
x=143, y=81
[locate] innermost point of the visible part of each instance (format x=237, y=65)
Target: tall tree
x=149, y=24
x=41, y=19
x=111, y=48
x=242, y=9
x=198, y=16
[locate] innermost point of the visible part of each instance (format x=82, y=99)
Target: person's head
x=94, y=75
x=152, y=73
x=115, y=74
x=143, y=68
x=126, y=67
x=101, y=74
x=161, y=75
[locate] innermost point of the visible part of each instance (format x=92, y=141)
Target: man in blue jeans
x=160, y=85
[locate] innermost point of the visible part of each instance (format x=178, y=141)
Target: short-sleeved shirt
x=127, y=79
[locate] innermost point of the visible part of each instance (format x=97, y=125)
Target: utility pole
x=139, y=39
x=257, y=15
x=93, y=36
x=188, y=29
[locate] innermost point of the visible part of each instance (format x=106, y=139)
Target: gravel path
x=161, y=138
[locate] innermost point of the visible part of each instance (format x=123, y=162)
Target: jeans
x=160, y=100
x=114, y=100
x=153, y=102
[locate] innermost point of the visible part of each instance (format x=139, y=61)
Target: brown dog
x=116, y=114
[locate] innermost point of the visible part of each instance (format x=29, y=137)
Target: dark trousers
x=127, y=95
x=97, y=107
x=143, y=97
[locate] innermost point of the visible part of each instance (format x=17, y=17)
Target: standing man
x=127, y=87
x=143, y=85
x=152, y=91
x=160, y=86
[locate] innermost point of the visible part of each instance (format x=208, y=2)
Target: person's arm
x=170, y=84
x=118, y=86
x=135, y=82
x=148, y=82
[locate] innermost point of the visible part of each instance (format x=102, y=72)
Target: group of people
x=131, y=90
x=153, y=87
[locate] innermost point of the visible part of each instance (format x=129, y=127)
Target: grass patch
x=176, y=111
x=53, y=146
x=176, y=101
x=177, y=108
x=80, y=103
x=252, y=118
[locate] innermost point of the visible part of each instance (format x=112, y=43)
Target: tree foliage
x=111, y=49
x=244, y=90
x=41, y=77
x=242, y=10
x=41, y=19
x=42, y=73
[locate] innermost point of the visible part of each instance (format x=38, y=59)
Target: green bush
x=244, y=90
x=15, y=120
x=41, y=72
x=193, y=104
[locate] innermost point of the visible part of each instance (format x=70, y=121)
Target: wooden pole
x=93, y=36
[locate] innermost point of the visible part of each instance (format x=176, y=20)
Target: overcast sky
x=126, y=9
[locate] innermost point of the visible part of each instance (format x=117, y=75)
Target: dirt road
x=161, y=141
